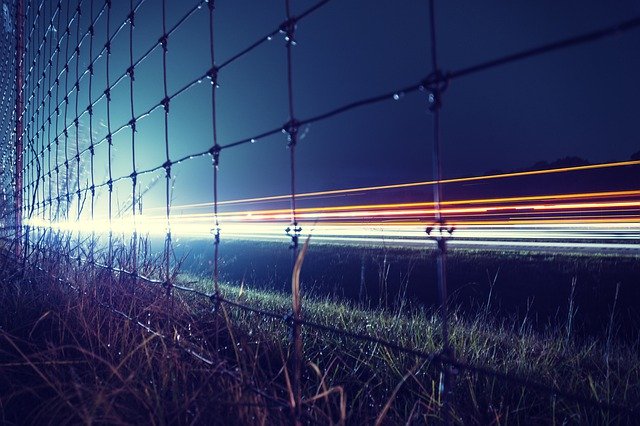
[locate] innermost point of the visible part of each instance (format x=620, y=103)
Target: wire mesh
x=80, y=116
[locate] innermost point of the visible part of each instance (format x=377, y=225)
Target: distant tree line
x=570, y=161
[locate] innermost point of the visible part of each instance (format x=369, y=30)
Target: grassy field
x=527, y=285
x=84, y=346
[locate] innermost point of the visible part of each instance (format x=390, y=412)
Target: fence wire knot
x=440, y=229
x=167, y=167
x=164, y=41
x=288, y=28
x=294, y=231
x=212, y=74
x=435, y=83
x=216, y=299
x=215, y=154
x=165, y=103
x=291, y=129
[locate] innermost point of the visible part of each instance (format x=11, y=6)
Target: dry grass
x=83, y=346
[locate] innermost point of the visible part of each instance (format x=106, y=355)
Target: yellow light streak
x=415, y=184
x=606, y=194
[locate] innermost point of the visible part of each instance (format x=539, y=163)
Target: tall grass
x=81, y=345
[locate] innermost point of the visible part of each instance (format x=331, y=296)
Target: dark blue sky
x=582, y=101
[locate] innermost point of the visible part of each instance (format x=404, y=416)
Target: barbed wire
x=48, y=123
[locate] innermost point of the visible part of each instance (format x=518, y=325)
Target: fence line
x=38, y=192
x=8, y=91
x=430, y=81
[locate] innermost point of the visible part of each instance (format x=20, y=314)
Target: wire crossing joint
x=435, y=84
x=291, y=129
x=294, y=231
x=164, y=42
x=291, y=322
x=288, y=28
x=442, y=231
x=215, y=154
x=167, y=168
x=165, y=103
x=212, y=74
x=216, y=235
x=216, y=300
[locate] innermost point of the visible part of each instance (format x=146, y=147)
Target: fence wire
x=60, y=49
x=7, y=112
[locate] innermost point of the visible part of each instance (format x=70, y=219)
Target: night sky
x=581, y=101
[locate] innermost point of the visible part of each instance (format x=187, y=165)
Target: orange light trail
x=610, y=217
x=418, y=209
x=551, y=220
x=360, y=207
x=414, y=184
x=487, y=225
x=259, y=216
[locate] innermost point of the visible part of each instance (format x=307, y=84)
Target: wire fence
x=7, y=112
x=64, y=98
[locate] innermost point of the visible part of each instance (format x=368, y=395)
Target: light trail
x=606, y=194
x=412, y=184
x=606, y=220
x=617, y=236
x=609, y=218
x=394, y=210
x=366, y=213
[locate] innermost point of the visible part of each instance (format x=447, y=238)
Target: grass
x=536, y=285
x=77, y=348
